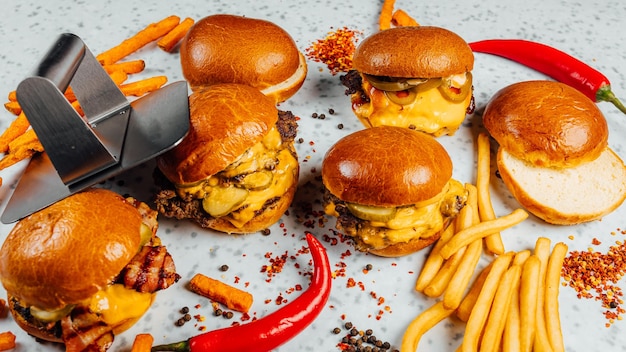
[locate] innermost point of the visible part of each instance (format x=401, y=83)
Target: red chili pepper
x=554, y=63
x=275, y=329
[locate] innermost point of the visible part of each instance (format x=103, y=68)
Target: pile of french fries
x=19, y=141
x=512, y=304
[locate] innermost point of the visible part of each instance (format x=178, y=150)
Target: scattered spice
x=335, y=50
x=224, y=267
x=359, y=340
x=594, y=274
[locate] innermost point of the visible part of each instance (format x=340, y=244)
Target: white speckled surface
x=592, y=30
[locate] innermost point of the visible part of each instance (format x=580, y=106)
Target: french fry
x=141, y=87
x=169, y=41
x=481, y=230
x=118, y=77
x=7, y=341
x=468, y=302
x=529, y=291
x=13, y=107
x=460, y=280
x=494, y=328
x=434, y=261
x=440, y=282
x=386, y=13
x=480, y=311
x=402, y=19
x=128, y=67
x=493, y=242
x=521, y=257
x=142, y=343
x=421, y=324
x=147, y=35
x=551, y=301
x=511, y=334
x=230, y=296
x=12, y=96
x=541, y=341
x=16, y=129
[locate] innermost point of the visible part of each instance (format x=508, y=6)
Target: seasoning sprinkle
x=335, y=50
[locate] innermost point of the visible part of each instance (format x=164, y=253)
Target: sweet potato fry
x=386, y=13
x=169, y=41
x=147, y=35
x=128, y=67
x=215, y=290
x=142, y=343
x=402, y=19
x=13, y=107
x=7, y=341
x=16, y=129
x=12, y=96
x=139, y=88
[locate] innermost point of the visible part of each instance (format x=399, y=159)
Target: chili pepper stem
x=182, y=346
x=606, y=94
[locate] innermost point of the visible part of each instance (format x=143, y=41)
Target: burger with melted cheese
x=237, y=169
x=235, y=49
x=84, y=269
x=416, y=77
x=390, y=189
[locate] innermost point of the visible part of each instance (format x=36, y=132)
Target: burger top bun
x=386, y=166
x=70, y=250
x=226, y=120
x=419, y=52
x=546, y=123
x=235, y=49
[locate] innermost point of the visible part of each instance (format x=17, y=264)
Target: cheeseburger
x=236, y=49
x=390, y=201
x=237, y=169
x=415, y=77
x=553, y=152
x=84, y=269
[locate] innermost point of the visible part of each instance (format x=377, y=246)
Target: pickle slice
x=372, y=213
x=393, y=84
x=403, y=97
x=456, y=94
x=223, y=200
x=146, y=235
x=258, y=180
x=51, y=315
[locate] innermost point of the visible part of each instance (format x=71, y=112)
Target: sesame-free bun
x=405, y=248
x=546, y=123
x=422, y=51
x=235, y=49
x=70, y=250
x=226, y=120
x=386, y=166
x=553, y=152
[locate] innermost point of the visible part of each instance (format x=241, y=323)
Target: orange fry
x=13, y=107
x=7, y=341
x=23, y=147
x=118, y=77
x=402, y=19
x=220, y=292
x=12, y=96
x=128, y=67
x=169, y=41
x=142, y=343
x=147, y=35
x=386, y=13
x=139, y=88
x=16, y=129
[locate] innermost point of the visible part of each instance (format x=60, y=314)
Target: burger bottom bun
x=262, y=221
x=405, y=248
x=566, y=196
x=286, y=89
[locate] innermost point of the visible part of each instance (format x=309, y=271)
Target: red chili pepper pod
x=275, y=329
x=554, y=63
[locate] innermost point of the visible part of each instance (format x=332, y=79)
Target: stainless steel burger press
x=113, y=136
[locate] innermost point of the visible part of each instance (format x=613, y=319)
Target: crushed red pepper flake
x=594, y=275
x=335, y=50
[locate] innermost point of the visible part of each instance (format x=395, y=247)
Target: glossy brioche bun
x=546, y=123
x=70, y=250
x=405, y=248
x=226, y=120
x=235, y=49
x=386, y=166
x=417, y=52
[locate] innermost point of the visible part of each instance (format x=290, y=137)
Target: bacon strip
x=85, y=332
x=152, y=269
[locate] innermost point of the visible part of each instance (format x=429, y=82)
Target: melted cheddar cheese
x=115, y=304
x=270, y=155
x=430, y=112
